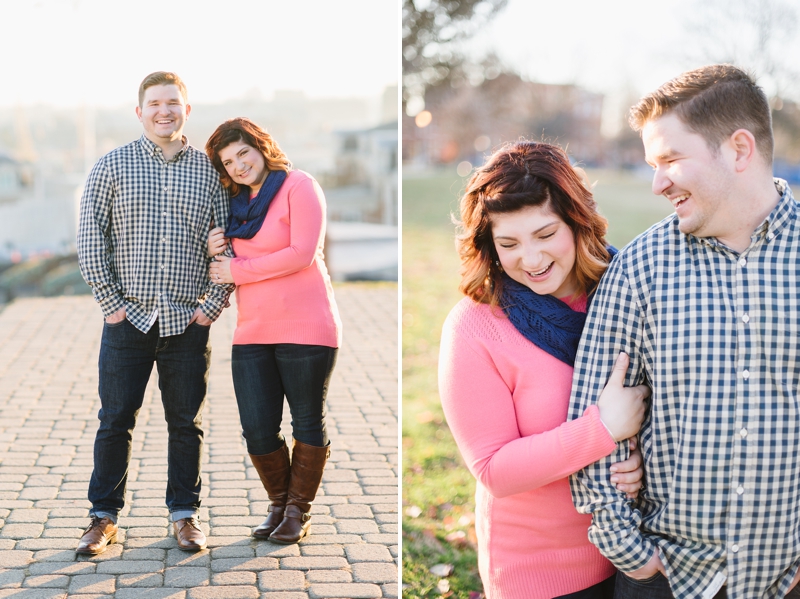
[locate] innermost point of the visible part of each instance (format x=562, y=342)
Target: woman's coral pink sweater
x=283, y=291
x=506, y=403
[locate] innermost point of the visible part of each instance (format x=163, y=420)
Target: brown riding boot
x=308, y=462
x=273, y=470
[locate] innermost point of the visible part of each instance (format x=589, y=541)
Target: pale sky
x=624, y=48
x=66, y=52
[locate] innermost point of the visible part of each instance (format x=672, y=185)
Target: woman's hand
x=622, y=408
x=629, y=474
x=217, y=242
x=219, y=271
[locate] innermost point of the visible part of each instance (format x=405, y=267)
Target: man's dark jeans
x=126, y=361
x=657, y=587
x=264, y=374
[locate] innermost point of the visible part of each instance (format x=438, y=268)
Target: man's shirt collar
x=154, y=150
x=781, y=215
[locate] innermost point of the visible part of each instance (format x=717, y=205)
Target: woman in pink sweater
x=532, y=249
x=288, y=328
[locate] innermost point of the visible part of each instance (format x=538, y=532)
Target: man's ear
x=139, y=112
x=188, y=110
x=744, y=145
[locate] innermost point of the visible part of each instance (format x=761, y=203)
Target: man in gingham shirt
x=144, y=219
x=707, y=305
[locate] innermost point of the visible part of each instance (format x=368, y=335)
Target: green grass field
x=438, y=509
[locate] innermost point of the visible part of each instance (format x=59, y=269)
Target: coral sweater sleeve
x=480, y=411
x=306, y=229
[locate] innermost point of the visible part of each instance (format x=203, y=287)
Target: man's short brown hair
x=713, y=101
x=162, y=78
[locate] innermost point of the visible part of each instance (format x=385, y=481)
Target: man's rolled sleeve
x=613, y=325
x=94, y=240
x=216, y=296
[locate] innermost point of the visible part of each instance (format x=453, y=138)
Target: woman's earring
x=497, y=264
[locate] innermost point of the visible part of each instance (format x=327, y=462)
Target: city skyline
x=626, y=48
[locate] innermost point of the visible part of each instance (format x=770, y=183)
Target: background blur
x=477, y=73
x=321, y=83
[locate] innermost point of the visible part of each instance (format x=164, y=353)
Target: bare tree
x=760, y=36
x=753, y=34
x=431, y=28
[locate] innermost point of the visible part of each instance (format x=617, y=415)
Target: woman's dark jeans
x=126, y=361
x=264, y=374
x=601, y=590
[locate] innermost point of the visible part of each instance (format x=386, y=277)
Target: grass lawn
x=438, y=506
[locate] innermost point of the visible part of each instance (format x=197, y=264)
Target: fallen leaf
x=473, y=538
x=466, y=519
x=475, y=595
x=425, y=417
x=413, y=511
x=442, y=570
x=457, y=538
x=443, y=585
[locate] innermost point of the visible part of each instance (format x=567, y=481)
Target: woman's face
x=244, y=164
x=536, y=248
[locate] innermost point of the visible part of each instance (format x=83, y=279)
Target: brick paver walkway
x=48, y=419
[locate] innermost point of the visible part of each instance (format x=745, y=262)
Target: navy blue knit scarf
x=247, y=216
x=544, y=320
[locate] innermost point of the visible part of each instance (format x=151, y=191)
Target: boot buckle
x=305, y=517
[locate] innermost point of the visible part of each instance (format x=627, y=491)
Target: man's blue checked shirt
x=143, y=231
x=716, y=335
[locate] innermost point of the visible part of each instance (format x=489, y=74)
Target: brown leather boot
x=97, y=536
x=273, y=470
x=308, y=462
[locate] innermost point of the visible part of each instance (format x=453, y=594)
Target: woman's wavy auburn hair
x=244, y=130
x=517, y=176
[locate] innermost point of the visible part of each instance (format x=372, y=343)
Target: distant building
x=11, y=179
x=470, y=121
x=389, y=104
x=366, y=186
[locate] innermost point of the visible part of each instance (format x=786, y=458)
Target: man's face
x=163, y=113
x=695, y=180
